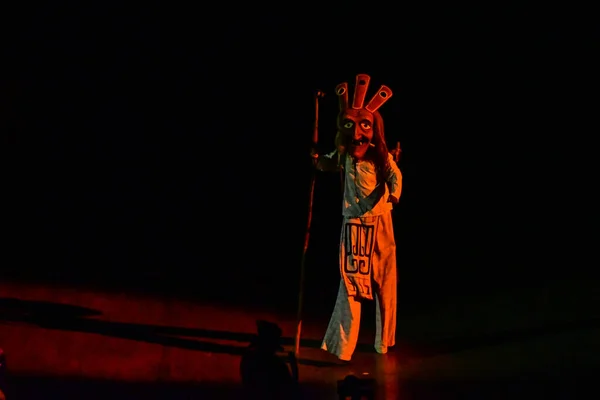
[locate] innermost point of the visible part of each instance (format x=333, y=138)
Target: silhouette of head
x=269, y=336
x=264, y=374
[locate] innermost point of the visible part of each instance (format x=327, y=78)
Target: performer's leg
x=385, y=320
x=385, y=286
x=342, y=333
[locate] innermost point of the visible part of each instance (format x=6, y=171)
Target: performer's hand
x=396, y=152
x=314, y=156
x=392, y=199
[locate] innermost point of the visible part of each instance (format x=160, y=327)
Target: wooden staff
x=315, y=140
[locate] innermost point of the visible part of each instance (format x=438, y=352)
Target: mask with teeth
x=357, y=121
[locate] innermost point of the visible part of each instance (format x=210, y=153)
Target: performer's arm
x=328, y=162
x=394, y=180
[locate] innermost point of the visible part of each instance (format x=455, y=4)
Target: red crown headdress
x=360, y=91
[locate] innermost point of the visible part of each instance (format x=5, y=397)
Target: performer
x=367, y=252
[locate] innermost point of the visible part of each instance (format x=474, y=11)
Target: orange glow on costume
x=372, y=184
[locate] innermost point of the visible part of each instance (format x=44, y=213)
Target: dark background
x=170, y=144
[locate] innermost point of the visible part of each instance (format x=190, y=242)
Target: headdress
x=360, y=91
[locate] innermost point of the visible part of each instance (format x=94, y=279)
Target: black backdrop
x=174, y=142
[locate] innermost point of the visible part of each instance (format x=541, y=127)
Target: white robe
x=367, y=258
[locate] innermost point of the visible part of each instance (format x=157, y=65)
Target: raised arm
x=331, y=162
x=327, y=162
x=393, y=178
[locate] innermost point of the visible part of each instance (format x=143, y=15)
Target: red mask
x=355, y=122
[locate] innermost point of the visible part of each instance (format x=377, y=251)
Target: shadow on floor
x=66, y=317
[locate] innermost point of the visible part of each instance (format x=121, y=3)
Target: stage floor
x=74, y=341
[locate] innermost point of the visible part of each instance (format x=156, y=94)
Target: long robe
x=367, y=258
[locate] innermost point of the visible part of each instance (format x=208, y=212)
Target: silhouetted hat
x=269, y=335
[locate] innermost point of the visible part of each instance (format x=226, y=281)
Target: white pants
x=341, y=336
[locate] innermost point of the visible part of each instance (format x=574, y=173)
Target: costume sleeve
x=394, y=178
x=329, y=162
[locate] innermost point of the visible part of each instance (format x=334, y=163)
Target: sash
x=356, y=255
